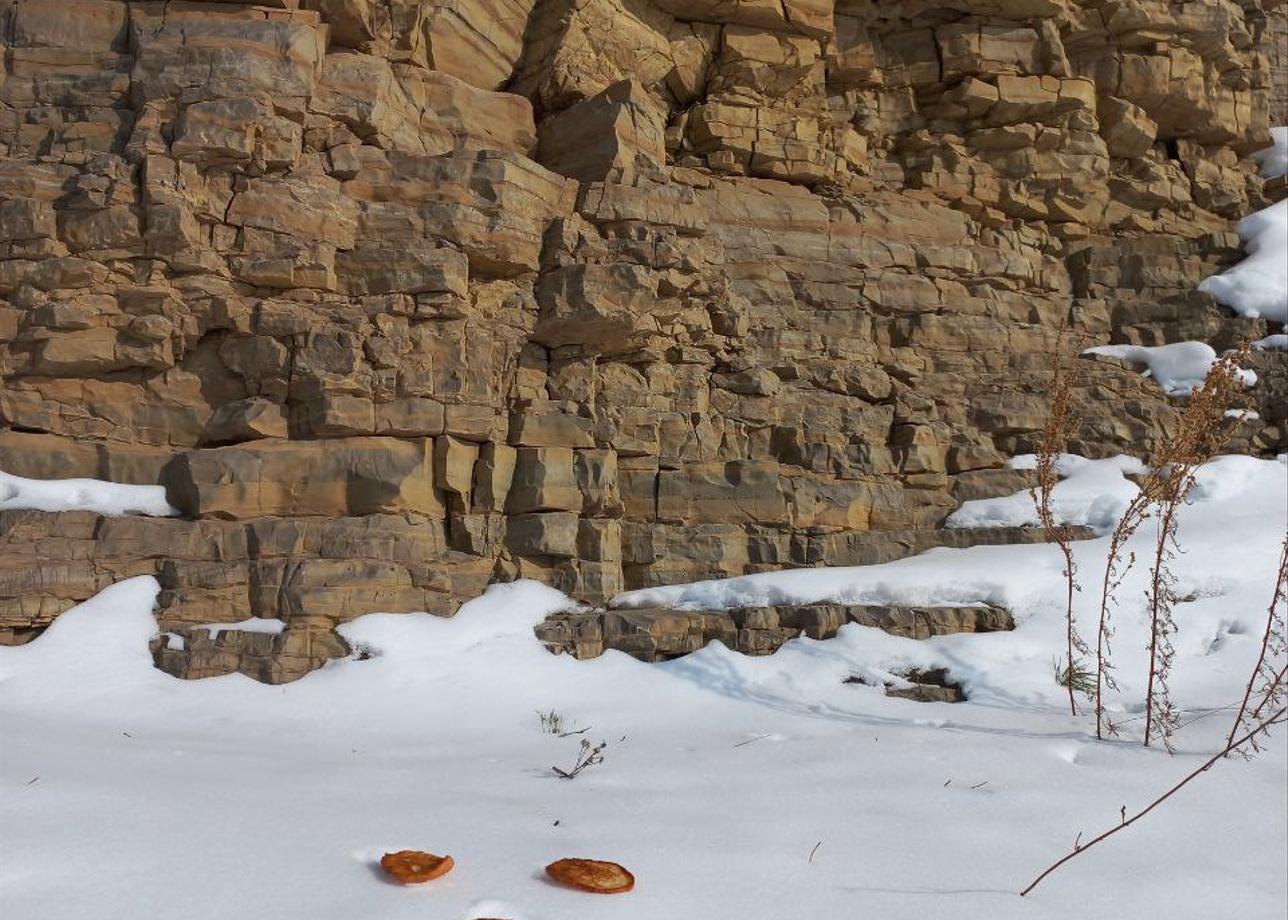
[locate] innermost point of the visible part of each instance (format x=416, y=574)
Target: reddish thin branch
x=1128, y=822
x=1267, y=637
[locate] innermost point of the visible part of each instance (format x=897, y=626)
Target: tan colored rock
x=493, y=475
x=600, y=307
x=410, y=416
x=811, y=17
x=478, y=41
x=454, y=466
x=455, y=115
x=1127, y=130
x=246, y=420
x=336, y=477
x=615, y=136
x=677, y=291
x=543, y=534
x=577, y=50
x=544, y=480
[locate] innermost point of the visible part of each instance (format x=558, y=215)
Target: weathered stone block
x=543, y=480
x=600, y=540
x=410, y=416
x=246, y=420
x=336, y=477
x=615, y=136
x=596, y=472
x=532, y=428
x=493, y=475
x=543, y=534
x=454, y=466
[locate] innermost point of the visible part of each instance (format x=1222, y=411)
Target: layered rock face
x=401, y=297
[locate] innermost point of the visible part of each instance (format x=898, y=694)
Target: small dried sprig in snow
x=587, y=756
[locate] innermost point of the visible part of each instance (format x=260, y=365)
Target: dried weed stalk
x=1204, y=427
x=1055, y=436
x=1116, y=568
x=587, y=756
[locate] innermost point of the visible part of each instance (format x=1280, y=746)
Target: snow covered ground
x=126, y=793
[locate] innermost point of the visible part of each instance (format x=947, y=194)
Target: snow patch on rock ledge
x=110, y=498
x=1258, y=286
x=1179, y=368
x=1274, y=159
x=1090, y=492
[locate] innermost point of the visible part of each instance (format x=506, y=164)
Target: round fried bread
x=411, y=867
x=591, y=875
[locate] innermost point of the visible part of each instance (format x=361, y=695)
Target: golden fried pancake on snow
x=412, y=866
x=591, y=875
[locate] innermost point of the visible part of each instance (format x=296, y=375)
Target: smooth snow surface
x=1274, y=159
x=1091, y=492
x=1276, y=342
x=1178, y=368
x=127, y=794
x=1258, y=286
x=82, y=495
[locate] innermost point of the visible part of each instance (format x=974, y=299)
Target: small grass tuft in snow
x=552, y=723
x=1077, y=677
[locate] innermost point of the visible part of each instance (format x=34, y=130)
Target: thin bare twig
x=1274, y=719
x=1272, y=642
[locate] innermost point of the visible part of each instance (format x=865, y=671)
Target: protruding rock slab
x=659, y=634
x=271, y=659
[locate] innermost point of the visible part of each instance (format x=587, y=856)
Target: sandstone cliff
x=400, y=297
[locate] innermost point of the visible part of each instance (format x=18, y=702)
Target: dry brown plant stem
x=1054, y=439
x=1116, y=569
x=1203, y=428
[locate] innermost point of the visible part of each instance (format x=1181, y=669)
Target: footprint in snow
x=1068, y=752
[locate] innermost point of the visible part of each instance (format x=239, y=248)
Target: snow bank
x=1258, y=286
x=1274, y=159
x=1237, y=476
x=1091, y=492
x=1277, y=342
x=109, y=498
x=723, y=773
x=1178, y=368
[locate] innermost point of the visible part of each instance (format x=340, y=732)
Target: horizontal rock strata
x=399, y=298
x=662, y=634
